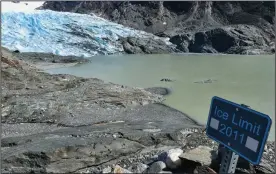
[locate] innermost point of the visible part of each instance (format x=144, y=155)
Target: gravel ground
x=50, y=122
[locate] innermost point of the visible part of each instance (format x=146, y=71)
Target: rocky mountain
x=224, y=27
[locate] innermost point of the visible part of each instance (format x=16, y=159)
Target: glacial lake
x=242, y=79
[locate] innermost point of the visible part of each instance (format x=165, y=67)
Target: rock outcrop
x=133, y=45
x=235, y=39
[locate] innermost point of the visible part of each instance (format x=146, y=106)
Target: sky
x=22, y=6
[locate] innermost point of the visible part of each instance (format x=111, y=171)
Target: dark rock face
x=235, y=39
x=206, y=22
x=218, y=35
x=182, y=41
x=178, y=15
x=133, y=45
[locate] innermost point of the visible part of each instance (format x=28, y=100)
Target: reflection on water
x=241, y=79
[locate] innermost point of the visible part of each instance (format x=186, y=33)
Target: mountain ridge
x=175, y=19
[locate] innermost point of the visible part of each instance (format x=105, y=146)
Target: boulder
x=131, y=49
x=133, y=45
x=119, y=170
x=202, y=155
x=171, y=158
x=264, y=167
x=204, y=169
x=159, y=90
x=156, y=167
x=107, y=170
x=138, y=168
x=182, y=41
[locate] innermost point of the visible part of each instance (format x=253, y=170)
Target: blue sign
x=238, y=128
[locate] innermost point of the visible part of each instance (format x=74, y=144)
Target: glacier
x=64, y=33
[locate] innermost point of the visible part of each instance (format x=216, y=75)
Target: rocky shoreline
x=62, y=123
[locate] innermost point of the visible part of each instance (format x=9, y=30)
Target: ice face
x=63, y=33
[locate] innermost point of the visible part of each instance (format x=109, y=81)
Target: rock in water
x=157, y=167
x=166, y=80
x=171, y=158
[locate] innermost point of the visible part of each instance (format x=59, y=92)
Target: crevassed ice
x=64, y=33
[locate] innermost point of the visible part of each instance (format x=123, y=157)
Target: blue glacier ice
x=64, y=33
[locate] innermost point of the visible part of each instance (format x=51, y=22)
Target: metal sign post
x=230, y=159
x=229, y=162
x=242, y=131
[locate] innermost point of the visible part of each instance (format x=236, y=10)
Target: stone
x=118, y=170
x=202, y=154
x=167, y=172
x=132, y=45
x=138, y=168
x=203, y=169
x=152, y=130
x=182, y=41
x=156, y=167
x=171, y=158
x=134, y=103
x=143, y=103
x=107, y=170
x=128, y=48
x=159, y=90
x=264, y=167
x=166, y=80
x=16, y=51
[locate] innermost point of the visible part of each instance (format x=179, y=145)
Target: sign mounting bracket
x=230, y=159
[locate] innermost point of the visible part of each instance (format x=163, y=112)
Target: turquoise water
x=242, y=79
